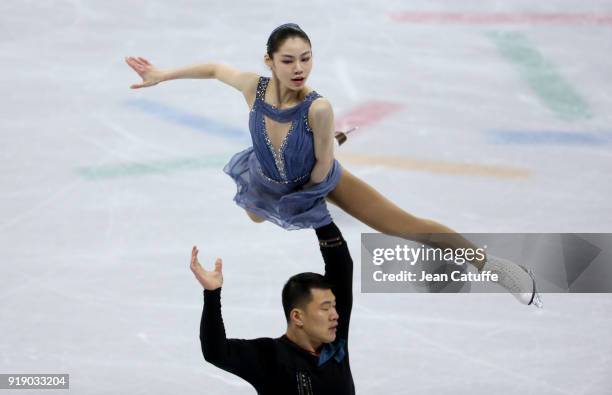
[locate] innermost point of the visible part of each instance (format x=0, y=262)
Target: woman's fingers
x=137, y=64
x=143, y=84
x=134, y=60
x=131, y=61
x=144, y=69
x=136, y=68
x=136, y=86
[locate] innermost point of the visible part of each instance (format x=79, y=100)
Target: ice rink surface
x=485, y=116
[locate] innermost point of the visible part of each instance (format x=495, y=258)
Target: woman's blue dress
x=269, y=182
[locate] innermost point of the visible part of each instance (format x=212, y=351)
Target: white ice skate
x=517, y=279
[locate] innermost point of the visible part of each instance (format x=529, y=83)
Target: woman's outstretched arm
x=245, y=82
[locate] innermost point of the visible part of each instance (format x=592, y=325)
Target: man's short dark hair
x=296, y=292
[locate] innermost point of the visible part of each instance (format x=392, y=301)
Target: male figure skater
x=312, y=357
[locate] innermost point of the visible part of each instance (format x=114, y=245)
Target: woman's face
x=292, y=63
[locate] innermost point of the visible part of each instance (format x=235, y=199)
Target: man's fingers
x=195, y=265
x=218, y=265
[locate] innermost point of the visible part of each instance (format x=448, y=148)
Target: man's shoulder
x=264, y=347
x=260, y=341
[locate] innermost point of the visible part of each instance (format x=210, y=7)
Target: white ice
x=94, y=278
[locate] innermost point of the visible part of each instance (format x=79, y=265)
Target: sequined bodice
x=294, y=160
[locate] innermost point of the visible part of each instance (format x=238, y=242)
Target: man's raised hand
x=210, y=280
x=149, y=74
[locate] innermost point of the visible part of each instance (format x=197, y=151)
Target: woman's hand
x=209, y=280
x=149, y=74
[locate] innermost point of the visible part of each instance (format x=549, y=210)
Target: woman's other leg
x=254, y=217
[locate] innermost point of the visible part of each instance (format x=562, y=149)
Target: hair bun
x=280, y=33
x=289, y=25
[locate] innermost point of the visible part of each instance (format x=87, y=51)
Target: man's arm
x=339, y=272
x=244, y=358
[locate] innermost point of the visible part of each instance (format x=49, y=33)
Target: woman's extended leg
x=369, y=206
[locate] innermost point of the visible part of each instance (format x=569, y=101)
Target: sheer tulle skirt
x=287, y=205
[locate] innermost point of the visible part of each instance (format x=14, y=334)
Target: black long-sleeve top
x=279, y=366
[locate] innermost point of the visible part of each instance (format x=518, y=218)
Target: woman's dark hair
x=296, y=292
x=281, y=33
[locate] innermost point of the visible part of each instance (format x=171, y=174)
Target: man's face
x=320, y=316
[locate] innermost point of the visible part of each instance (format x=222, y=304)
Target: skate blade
x=536, y=299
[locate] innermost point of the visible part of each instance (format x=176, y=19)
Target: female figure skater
x=290, y=170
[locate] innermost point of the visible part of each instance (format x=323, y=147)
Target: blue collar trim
x=332, y=350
